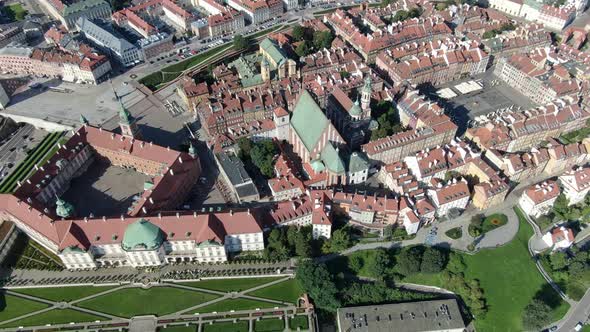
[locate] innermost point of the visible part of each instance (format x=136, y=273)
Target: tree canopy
x=536, y=315
x=317, y=281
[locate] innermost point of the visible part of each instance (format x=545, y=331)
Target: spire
x=367, y=86
x=124, y=115
x=83, y=120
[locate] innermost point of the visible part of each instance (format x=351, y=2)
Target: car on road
x=578, y=327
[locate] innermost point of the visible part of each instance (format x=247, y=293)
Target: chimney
x=160, y=215
x=231, y=212
x=144, y=209
x=151, y=201
x=122, y=217
x=104, y=218
x=177, y=215
x=248, y=211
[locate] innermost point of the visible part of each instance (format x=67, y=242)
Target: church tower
x=366, y=96
x=127, y=122
x=265, y=70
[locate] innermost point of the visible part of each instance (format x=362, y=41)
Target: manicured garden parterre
x=300, y=321
x=158, y=301
x=235, y=304
x=65, y=294
x=13, y=306
x=231, y=285
x=240, y=326
x=55, y=316
x=269, y=325
x=287, y=291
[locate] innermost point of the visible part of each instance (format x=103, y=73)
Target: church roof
x=358, y=162
x=332, y=160
x=309, y=122
x=274, y=52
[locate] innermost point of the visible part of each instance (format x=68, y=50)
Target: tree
x=262, y=155
x=456, y=263
x=561, y=207
x=276, y=248
x=318, y=283
x=409, y=260
x=298, y=33
x=322, y=39
x=240, y=43
x=558, y=260
x=401, y=15
x=303, y=242
x=433, y=260
x=378, y=264
x=536, y=315
x=339, y=241
x=303, y=49
x=355, y=263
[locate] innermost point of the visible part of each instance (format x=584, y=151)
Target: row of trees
x=330, y=293
x=291, y=241
x=261, y=154
x=310, y=41
x=572, y=269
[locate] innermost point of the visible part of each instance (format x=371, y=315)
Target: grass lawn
x=287, y=291
x=15, y=12
x=191, y=328
x=300, y=321
x=494, y=221
x=454, y=233
x=65, y=294
x=509, y=279
x=230, y=285
x=235, y=304
x=269, y=325
x=240, y=326
x=159, y=301
x=56, y=316
x=13, y=306
x=586, y=328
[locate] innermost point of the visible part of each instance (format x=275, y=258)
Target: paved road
x=578, y=313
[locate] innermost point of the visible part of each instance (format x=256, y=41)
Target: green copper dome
x=142, y=235
x=63, y=208
x=356, y=110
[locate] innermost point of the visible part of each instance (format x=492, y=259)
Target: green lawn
x=191, y=328
x=13, y=306
x=15, y=12
x=509, y=279
x=65, y=294
x=159, y=301
x=230, y=285
x=300, y=321
x=269, y=325
x=235, y=304
x=287, y=291
x=240, y=326
x=55, y=316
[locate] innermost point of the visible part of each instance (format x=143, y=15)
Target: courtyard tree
x=378, y=264
x=409, y=260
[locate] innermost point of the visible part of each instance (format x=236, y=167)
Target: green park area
x=239, y=326
x=286, y=291
x=55, y=316
x=236, y=305
x=63, y=294
x=299, y=322
x=129, y=302
x=481, y=224
x=231, y=285
x=509, y=280
x=14, y=12
x=34, y=157
x=133, y=301
x=14, y=306
x=269, y=325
